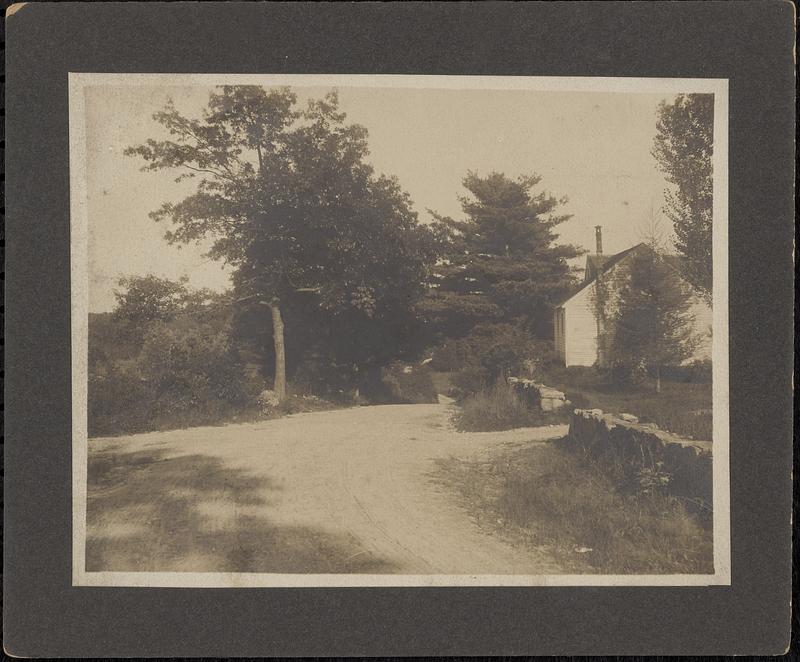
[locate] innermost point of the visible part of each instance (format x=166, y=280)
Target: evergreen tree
x=503, y=265
x=651, y=323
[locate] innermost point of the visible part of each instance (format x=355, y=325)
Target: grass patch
x=543, y=495
x=500, y=408
x=683, y=408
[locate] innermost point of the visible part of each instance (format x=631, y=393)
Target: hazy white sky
x=593, y=147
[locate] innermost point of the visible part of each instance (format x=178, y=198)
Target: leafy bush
x=324, y=377
x=187, y=373
x=494, y=349
x=503, y=348
x=119, y=402
x=468, y=381
x=195, y=367
x=408, y=384
x=495, y=408
x=453, y=355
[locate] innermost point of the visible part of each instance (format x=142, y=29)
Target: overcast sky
x=592, y=147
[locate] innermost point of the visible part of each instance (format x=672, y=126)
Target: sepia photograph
x=388, y=330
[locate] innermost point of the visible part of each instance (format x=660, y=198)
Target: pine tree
x=503, y=265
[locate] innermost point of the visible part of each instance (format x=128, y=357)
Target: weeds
x=499, y=408
x=544, y=495
x=571, y=502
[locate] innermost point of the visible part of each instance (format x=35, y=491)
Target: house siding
x=558, y=333
x=580, y=329
x=576, y=340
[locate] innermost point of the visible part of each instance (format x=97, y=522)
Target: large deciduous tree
x=683, y=148
x=504, y=264
x=289, y=201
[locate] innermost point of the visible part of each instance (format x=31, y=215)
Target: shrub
x=119, y=402
x=321, y=376
x=629, y=373
x=696, y=372
x=503, y=348
x=408, y=384
x=195, y=367
x=453, y=355
x=187, y=373
x=492, y=350
x=468, y=381
x=495, y=408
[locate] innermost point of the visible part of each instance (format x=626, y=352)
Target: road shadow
x=150, y=512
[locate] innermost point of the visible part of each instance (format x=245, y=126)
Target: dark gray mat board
x=748, y=43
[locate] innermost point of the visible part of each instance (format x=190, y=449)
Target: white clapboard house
x=575, y=320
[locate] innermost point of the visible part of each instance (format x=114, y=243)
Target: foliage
x=682, y=407
x=652, y=324
x=145, y=299
x=289, y=200
x=110, y=340
x=468, y=381
x=408, y=384
x=503, y=264
x=495, y=408
x=183, y=370
x=683, y=148
x=555, y=497
x=119, y=401
x=193, y=366
x=496, y=348
x=695, y=372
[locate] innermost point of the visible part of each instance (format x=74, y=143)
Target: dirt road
x=352, y=490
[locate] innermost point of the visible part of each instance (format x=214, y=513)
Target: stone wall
x=538, y=395
x=644, y=452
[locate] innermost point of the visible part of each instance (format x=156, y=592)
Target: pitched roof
x=592, y=264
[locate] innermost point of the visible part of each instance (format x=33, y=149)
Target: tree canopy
x=503, y=262
x=144, y=299
x=652, y=322
x=288, y=198
x=683, y=148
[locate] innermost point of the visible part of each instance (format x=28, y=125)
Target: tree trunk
x=280, y=352
x=658, y=379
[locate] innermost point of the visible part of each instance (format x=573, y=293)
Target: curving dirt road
x=352, y=490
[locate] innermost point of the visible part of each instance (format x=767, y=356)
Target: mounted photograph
x=389, y=330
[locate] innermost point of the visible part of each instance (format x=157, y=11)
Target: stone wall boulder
x=637, y=449
x=538, y=395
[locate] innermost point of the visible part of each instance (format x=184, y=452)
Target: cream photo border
x=80, y=310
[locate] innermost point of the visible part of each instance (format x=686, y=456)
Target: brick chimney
x=598, y=234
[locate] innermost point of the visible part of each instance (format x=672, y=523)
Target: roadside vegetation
x=339, y=295
x=542, y=495
x=683, y=406
x=499, y=407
